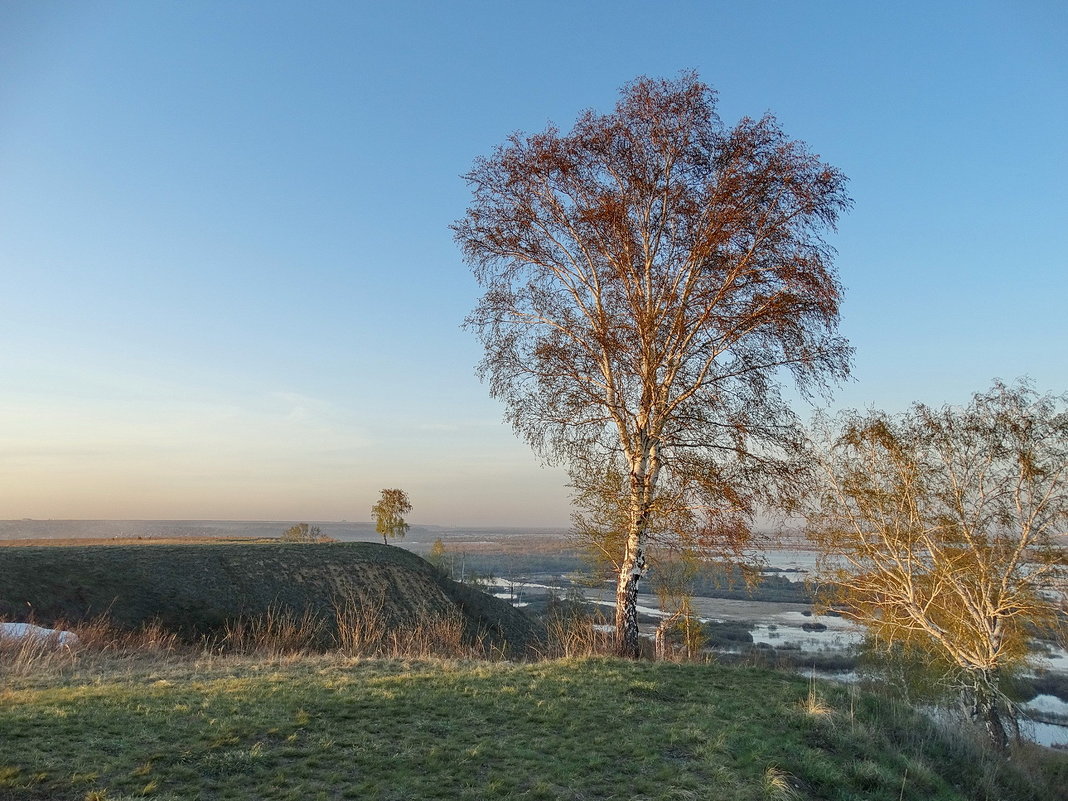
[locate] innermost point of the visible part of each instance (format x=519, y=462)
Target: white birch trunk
x=630, y=574
x=643, y=476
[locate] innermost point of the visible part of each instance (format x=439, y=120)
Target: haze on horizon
x=228, y=289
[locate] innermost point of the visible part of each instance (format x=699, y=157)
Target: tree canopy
x=650, y=278
x=388, y=514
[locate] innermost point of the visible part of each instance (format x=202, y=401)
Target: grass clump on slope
x=328, y=727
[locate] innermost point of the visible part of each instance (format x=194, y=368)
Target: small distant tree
x=302, y=532
x=389, y=513
x=440, y=558
x=940, y=530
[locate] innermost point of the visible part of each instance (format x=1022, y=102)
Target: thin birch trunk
x=630, y=574
x=642, y=481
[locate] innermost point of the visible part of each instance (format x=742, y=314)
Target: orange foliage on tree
x=649, y=278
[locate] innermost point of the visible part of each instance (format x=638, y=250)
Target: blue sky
x=227, y=284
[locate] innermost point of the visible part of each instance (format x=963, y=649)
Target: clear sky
x=228, y=288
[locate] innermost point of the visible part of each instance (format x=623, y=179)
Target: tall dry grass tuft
x=357, y=629
x=778, y=785
x=814, y=704
x=360, y=628
x=278, y=632
x=102, y=636
x=441, y=636
x=23, y=656
x=570, y=636
x=365, y=630
x=93, y=640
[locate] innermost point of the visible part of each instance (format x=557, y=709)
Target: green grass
x=141, y=710
x=327, y=727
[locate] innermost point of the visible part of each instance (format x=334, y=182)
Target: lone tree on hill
x=649, y=279
x=940, y=532
x=389, y=514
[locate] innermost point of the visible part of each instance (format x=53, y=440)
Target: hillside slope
x=196, y=588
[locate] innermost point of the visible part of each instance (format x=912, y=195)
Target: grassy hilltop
x=327, y=728
x=198, y=589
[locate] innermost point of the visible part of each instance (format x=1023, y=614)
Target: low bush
x=728, y=634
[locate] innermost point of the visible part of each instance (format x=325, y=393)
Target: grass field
x=269, y=704
x=325, y=727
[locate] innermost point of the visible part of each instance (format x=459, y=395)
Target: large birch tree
x=650, y=278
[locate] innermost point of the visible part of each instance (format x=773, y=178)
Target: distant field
x=146, y=529
x=56, y=542
x=346, y=531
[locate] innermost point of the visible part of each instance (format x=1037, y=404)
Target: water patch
x=1055, y=660
x=1051, y=735
x=838, y=638
x=804, y=562
x=1048, y=705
